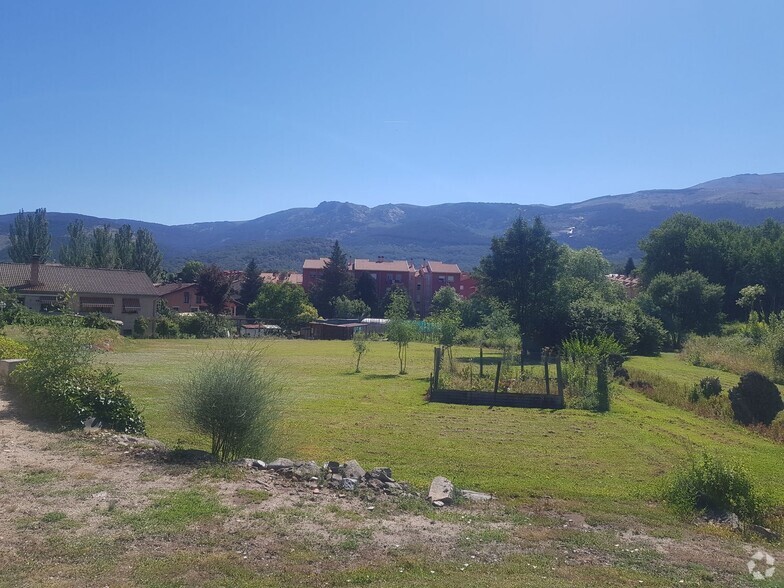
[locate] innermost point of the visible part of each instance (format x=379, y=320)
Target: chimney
x=35, y=263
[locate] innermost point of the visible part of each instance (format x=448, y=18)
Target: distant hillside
x=458, y=233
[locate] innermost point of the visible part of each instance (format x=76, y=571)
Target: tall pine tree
x=335, y=281
x=251, y=285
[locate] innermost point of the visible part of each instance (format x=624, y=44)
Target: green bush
x=98, y=321
x=140, y=326
x=10, y=349
x=205, y=325
x=709, y=386
x=755, y=399
x=232, y=398
x=59, y=384
x=709, y=484
x=167, y=327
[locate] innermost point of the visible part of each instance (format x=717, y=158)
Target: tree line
x=103, y=247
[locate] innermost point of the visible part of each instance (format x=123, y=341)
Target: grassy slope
x=607, y=463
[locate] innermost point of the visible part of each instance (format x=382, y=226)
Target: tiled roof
x=61, y=278
x=443, y=268
x=315, y=263
x=382, y=265
x=164, y=289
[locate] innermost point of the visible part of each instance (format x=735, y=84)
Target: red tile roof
x=315, y=263
x=61, y=278
x=443, y=268
x=164, y=289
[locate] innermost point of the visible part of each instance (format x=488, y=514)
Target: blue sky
x=179, y=112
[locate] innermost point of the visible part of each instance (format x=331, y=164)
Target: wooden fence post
x=559, y=376
x=436, y=366
x=546, y=374
x=481, y=362
x=497, y=378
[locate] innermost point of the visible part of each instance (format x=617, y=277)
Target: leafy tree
x=587, y=264
x=684, y=303
x=666, y=246
x=30, y=236
x=213, y=286
x=521, y=271
x=365, y=290
x=399, y=329
x=444, y=299
x=448, y=326
x=190, y=271
x=347, y=308
x=749, y=297
x=336, y=280
x=102, y=245
x=286, y=304
x=251, y=284
x=146, y=255
x=397, y=292
x=76, y=251
x=123, y=247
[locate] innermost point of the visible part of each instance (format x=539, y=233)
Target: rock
x=438, y=503
x=332, y=466
x=280, y=464
x=383, y=474
x=352, y=469
x=441, y=490
x=393, y=486
x=245, y=462
x=305, y=470
x=348, y=484
x=764, y=532
x=91, y=425
x=375, y=484
x=259, y=465
x=474, y=496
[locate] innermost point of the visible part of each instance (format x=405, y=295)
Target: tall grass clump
x=711, y=485
x=586, y=366
x=233, y=398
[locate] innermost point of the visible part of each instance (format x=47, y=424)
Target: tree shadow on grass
x=380, y=376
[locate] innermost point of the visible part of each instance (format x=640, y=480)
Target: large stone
x=280, y=464
x=348, y=484
x=352, y=469
x=474, y=496
x=441, y=490
x=383, y=474
x=305, y=470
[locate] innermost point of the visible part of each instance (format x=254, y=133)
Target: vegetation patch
x=175, y=511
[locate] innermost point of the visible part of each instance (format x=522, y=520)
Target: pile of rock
x=349, y=476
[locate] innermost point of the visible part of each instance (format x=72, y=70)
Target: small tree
x=361, y=344
x=445, y=299
x=399, y=328
x=284, y=303
x=190, y=271
x=749, y=297
x=336, y=280
x=629, y=268
x=232, y=398
x=344, y=307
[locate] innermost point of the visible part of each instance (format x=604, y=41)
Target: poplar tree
x=30, y=236
x=146, y=255
x=76, y=250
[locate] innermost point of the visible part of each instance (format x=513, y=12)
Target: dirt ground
x=83, y=509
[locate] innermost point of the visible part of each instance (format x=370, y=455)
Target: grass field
x=607, y=464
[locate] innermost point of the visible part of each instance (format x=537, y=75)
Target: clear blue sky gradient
x=178, y=112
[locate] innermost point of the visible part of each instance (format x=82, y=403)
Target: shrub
x=140, y=326
x=755, y=399
x=167, y=328
x=709, y=484
x=10, y=349
x=709, y=386
x=97, y=321
x=586, y=366
x=204, y=325
x=232, y=398
x=59, y=384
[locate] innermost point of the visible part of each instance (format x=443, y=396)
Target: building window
x=88, y=304
x=398, y=278
x=450, y=279
x=419, y=286
x=186, y=298
x=131, y=305
x=440, y=279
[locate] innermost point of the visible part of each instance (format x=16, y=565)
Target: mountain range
x=458, y=233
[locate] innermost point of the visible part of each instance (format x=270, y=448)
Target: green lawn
x=601, y=462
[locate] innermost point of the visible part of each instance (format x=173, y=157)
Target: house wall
x=38, y=302
x=185, y=300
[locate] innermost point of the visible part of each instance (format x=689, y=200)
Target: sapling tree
x=361, y=346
